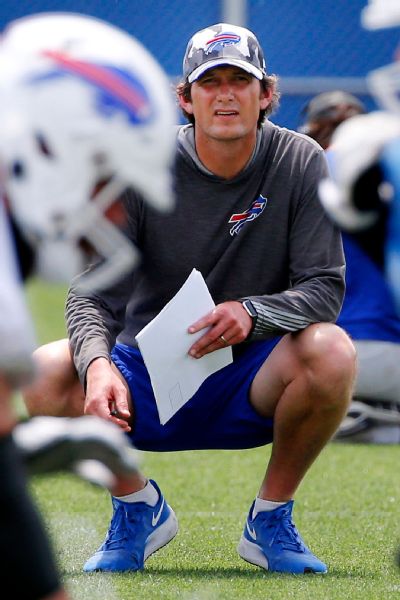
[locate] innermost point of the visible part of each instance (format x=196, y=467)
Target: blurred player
x=365, y=159
x=89, y=447
x=368, y=313
x=85, y=113
x=322, y=115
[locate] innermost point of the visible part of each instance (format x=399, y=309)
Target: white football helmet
x=356, y=147
x=81, y=103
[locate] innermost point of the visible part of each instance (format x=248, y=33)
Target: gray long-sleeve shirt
x=262, y=235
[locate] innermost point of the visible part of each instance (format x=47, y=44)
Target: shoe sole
x=162, y=535
x=253, y=554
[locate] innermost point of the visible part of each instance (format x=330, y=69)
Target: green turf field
x=347, y=510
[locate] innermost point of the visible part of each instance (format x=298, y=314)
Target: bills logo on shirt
x=254, y=211
x=221, y=40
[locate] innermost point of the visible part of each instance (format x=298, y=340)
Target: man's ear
x=265, y=98
x=185, y=104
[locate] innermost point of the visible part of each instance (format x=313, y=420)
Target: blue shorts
x=218, y=416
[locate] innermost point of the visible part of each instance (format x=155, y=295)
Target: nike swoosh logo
x=156, y=518
x=251, y=531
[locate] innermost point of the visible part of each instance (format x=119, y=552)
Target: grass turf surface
x=346, y=510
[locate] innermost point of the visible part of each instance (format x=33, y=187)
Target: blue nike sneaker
x=136, y=531
x=271, y=540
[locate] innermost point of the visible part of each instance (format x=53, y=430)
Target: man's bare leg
x=306, y=384
x=56, y=390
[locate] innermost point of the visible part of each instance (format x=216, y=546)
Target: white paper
x=165, y=342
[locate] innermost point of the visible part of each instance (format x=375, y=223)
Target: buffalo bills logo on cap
x=254, y=211
x=221, y=40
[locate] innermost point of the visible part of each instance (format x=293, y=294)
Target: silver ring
x=221, y=337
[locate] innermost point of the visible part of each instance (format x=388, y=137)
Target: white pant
x=378, y=379
x=378, y=375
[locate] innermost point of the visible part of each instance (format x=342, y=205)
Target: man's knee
x=56, y=389
x=328, y=356
x=329, y=346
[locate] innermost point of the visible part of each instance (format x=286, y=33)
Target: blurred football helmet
x=82, y=103
x=354, y=193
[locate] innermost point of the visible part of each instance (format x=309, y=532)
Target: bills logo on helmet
x=254, y=211
x=118, y=89
x=221, y=40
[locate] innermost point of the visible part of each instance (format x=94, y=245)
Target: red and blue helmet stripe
x=118, y=89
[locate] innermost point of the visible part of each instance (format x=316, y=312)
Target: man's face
x=226, y=103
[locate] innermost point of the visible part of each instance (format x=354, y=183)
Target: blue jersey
x=390, y=165
x=369, y=311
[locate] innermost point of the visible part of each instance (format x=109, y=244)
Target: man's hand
x=227, y=324
x=106, y=394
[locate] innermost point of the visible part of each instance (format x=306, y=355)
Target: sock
x=265, y=505
x=148, y=494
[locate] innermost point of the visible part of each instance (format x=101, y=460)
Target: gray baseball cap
x=324, y=104
x=223, y=44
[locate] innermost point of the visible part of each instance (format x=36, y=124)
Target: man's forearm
x=91, y=332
